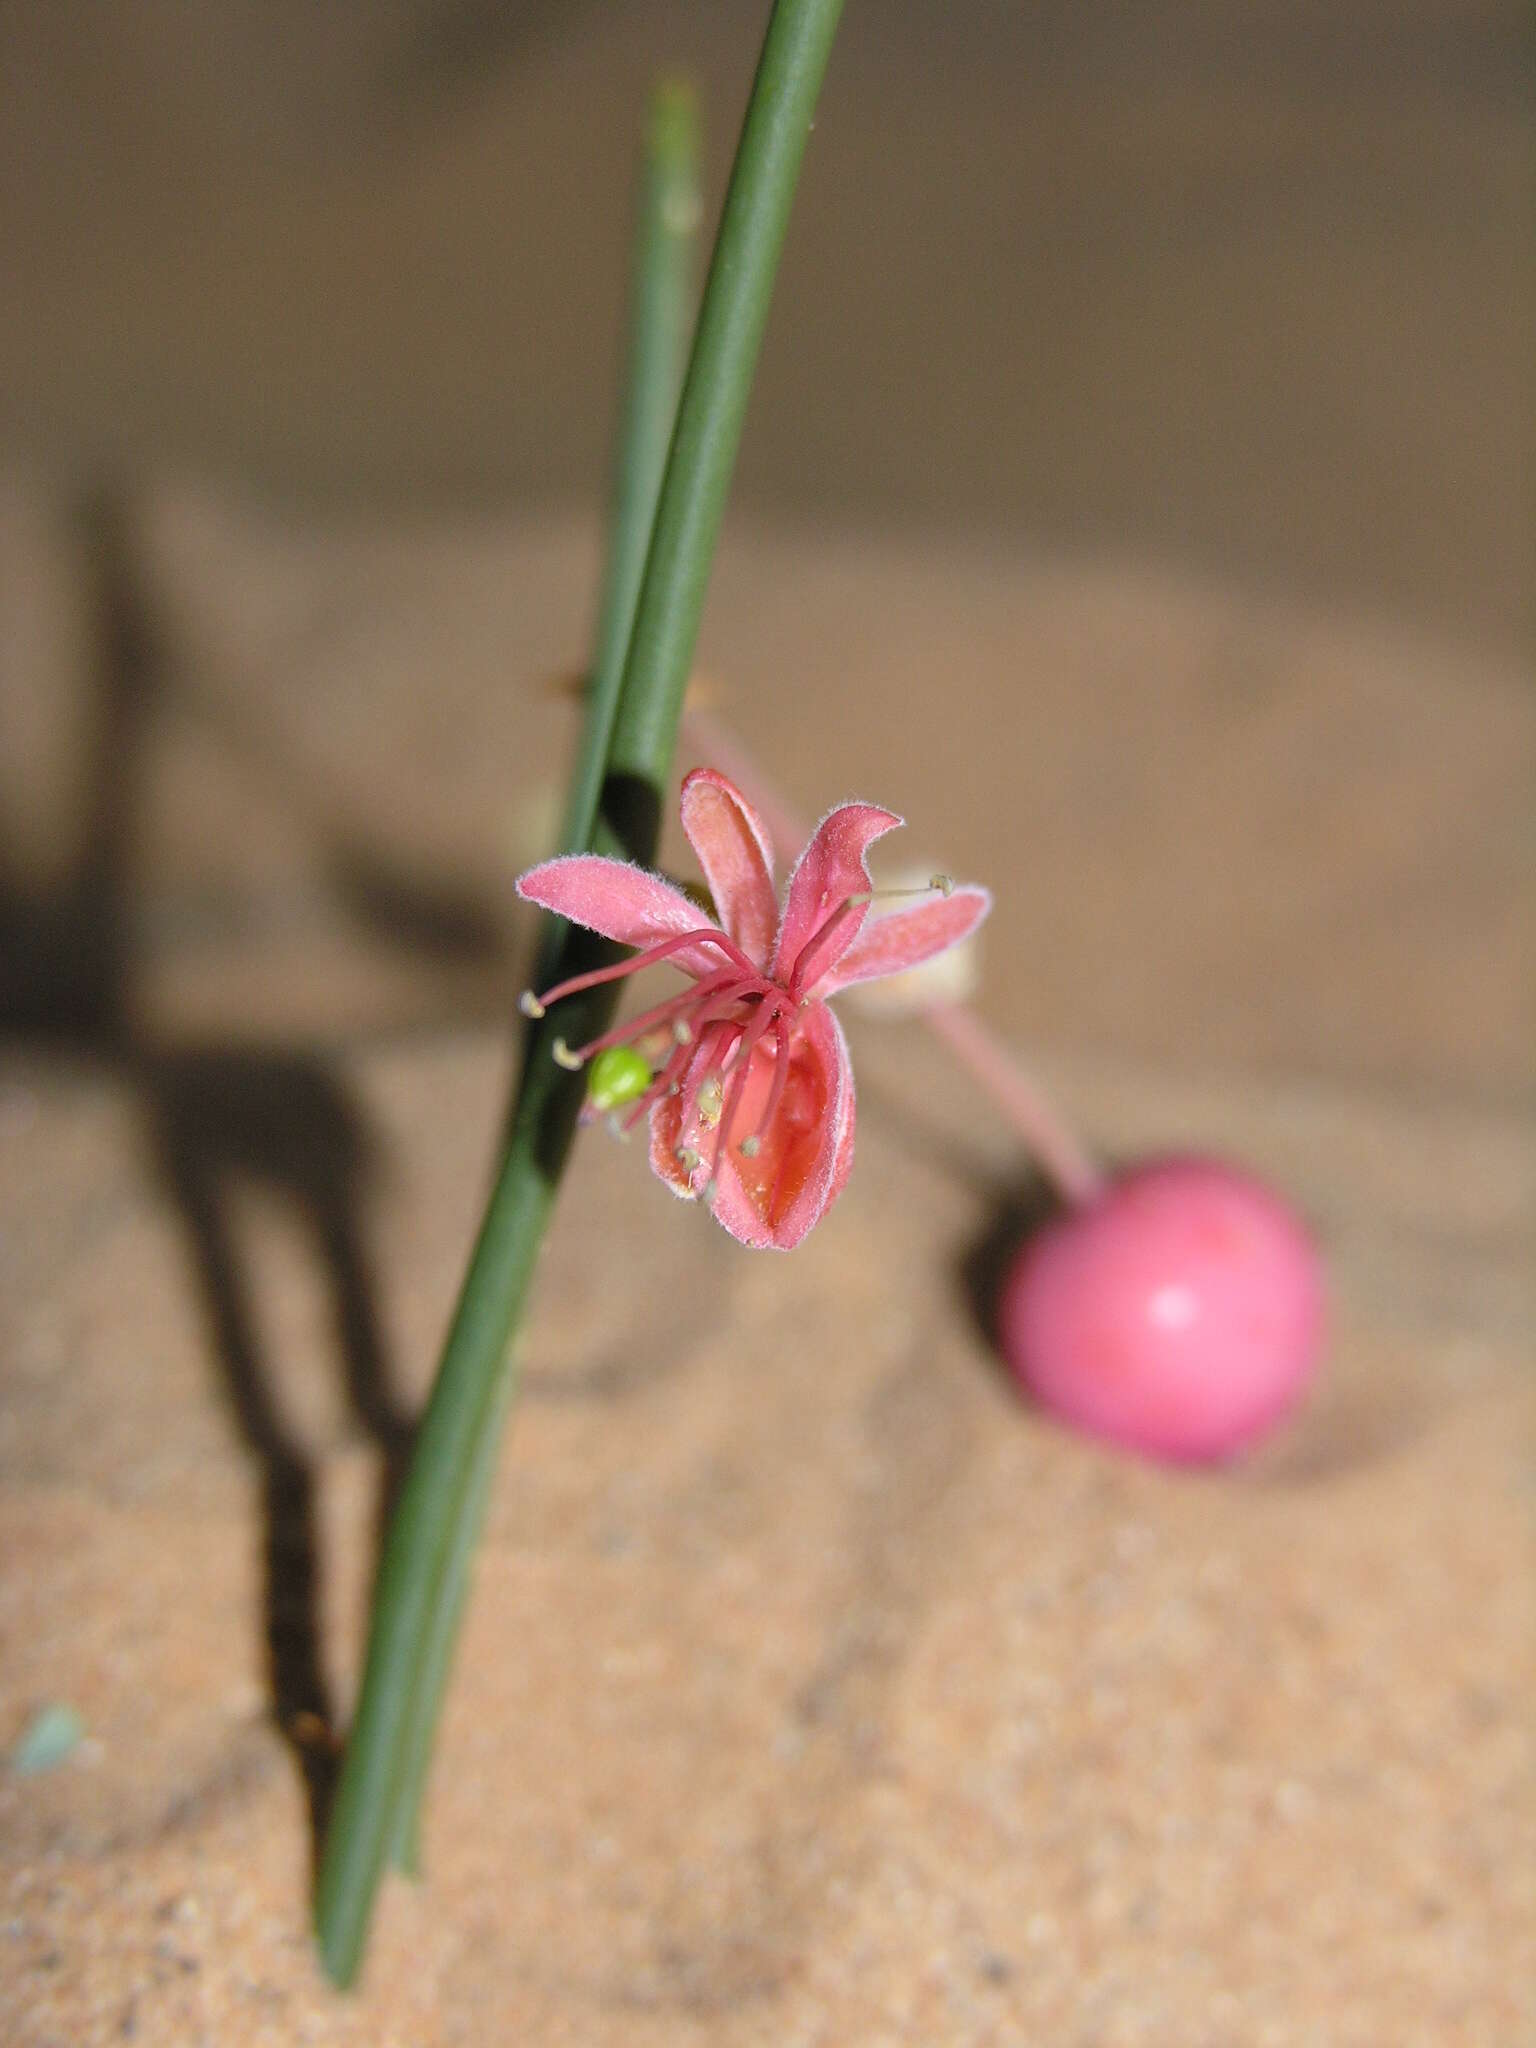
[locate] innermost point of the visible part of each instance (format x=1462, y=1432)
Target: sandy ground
x=813, y=1689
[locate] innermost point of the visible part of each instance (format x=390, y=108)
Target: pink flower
x=752, y=1106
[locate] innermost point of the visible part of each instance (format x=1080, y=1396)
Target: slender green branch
x=410, y=1651
x=661, y=304
x=714, y=401
x=437, y=1653
x=445, y=1489
x=660, y=318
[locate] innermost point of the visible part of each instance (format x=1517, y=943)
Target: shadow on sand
x=221, y=1117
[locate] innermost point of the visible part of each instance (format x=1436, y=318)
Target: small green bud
x=616, y=1076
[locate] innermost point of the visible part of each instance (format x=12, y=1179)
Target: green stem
x=437, y=1654
x=714, y=401
x=433, y=1524
x=660, y=314
x=661, y=300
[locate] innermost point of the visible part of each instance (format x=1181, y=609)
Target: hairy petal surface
x=622, y=902
x=906, y=938
x=733, y=849
x=832, y=868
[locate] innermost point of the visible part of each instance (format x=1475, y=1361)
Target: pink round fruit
x=1179, y=1311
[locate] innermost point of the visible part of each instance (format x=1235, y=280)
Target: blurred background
x=1137, y=488
x=1247, y=288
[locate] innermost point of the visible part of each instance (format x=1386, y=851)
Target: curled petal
x=906, y=938
x=832, y=868
x=622, y=902
x=770, y=1198
x=732, y=845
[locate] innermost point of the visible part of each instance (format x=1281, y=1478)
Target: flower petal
x=831, y=869
x=732, y=844
x=622, y=902
x=890, y=945
x=770, y=1200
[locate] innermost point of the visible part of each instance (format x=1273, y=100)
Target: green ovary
x=617, y=1075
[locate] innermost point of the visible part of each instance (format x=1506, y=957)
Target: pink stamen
x=721, y=997
x=741, y=1059
x=670, y=1077
x=720, y=1009
x=822, y=942
x=784, y=1038
x=661, y=1013
x=649, y=957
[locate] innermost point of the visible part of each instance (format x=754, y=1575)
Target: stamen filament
x=779, y=1083
x=741, y=1063
x=667, y=1082
x=811, y=963
x=650, y=956
x=821, y=944
x=721, y=996
x=663, y=1013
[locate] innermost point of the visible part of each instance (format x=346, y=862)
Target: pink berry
x=1178, y=1311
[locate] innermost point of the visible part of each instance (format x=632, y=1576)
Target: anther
x=711, y=1099
x=682, y=1031
x=530, y=1005
x=945, y=884
x=564, y=1057
x=689, y=1160
x=750, y=1146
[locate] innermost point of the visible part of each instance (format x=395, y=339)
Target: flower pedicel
x=745, y=1075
